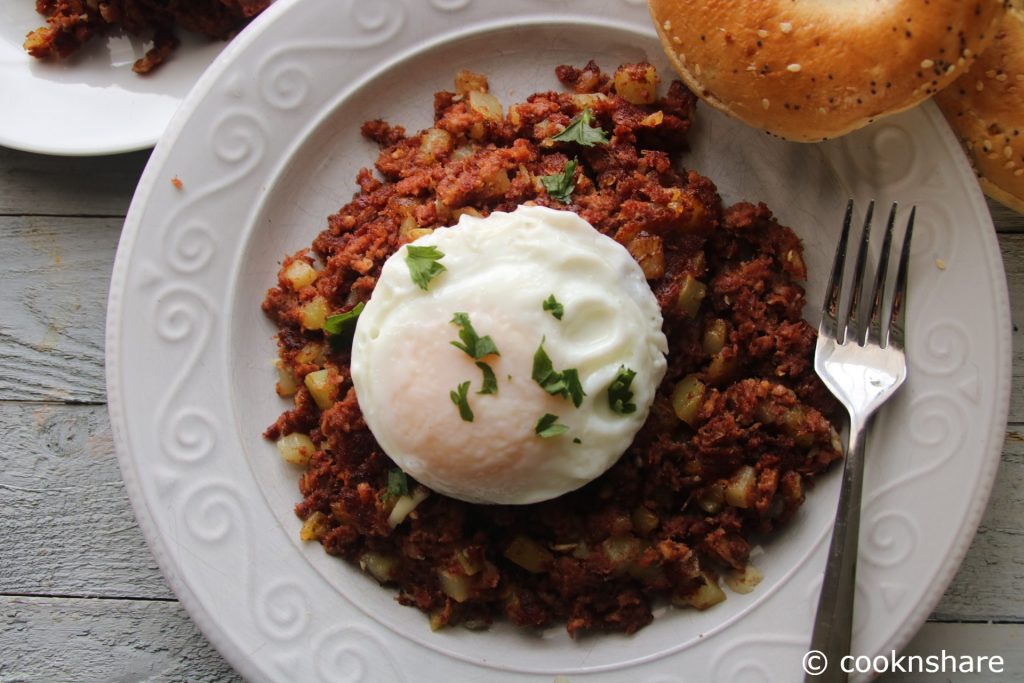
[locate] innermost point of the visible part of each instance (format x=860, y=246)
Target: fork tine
x=896, y=335
x=853, y=328
x=878, y=295
x=829, y=327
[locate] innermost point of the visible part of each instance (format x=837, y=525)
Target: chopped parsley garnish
x=619, y=395
x=398, y=484
x=565, y=383
x=423, y=264
x=490, y=381
x=548, y=426
x=581, y=132
x=461, y=399
x=472, y=343
x=340, y=327
x=561, y=185
x=552, y=306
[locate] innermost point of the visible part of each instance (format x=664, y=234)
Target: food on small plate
x=809, y=71
x=547, y=336
x=985, y=107
x=72, y=23
x=475, y=354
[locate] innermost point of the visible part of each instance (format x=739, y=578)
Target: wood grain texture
x=67, y=527
x=54, y=276
x=1012, y=247
x=1005, y=218
x=101, y=641
x=34, y=184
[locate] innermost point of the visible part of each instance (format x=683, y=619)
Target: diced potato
x=311, y=353
x=463, y=151
x=691, y=294
x=296, y=448
x=314, y=313
x=715, y=336
x=621, y=550
x=644, y=521
x=649, y=253
x=687, y=398
x=418, y=233
x=637, y=83
x=706, y=596
x=653, y=120
x=435, y=143
x=497, y=184
x=469, y=81
x=314, y=528
x=437, y=620
x=466, y=560
x=299, y=274
x=486, y=105
x=587, y=100
x=744, y=581
x=793, y=424
x=467, y=211
x=739, y=492
x=321, y=388
x=712, y=498
x=406, y=504
x=722, y=367
x=380, y=566
x=528, y=554
x=287, y=384
x=455, y=586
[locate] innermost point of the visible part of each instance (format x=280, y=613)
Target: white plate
x=91, y=103
x=267, y=146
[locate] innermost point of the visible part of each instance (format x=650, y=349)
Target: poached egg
x=544, y=287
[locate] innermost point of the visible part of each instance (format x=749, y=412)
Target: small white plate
x=91, y=103
x=268, y=145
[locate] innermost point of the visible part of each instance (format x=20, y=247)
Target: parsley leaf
x=548, y=426
x=473, y=344
x=565, y=384
x=581, y=132
x=461, y=400
x=619, y=395
x=552, y=306
x=398, y=484
x=342, y=326
x=423, y=264
x=561, y=185
x=490, y=381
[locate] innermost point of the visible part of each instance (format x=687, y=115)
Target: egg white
x=500, y=270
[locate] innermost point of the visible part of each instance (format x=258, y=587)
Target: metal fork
x=863, y=363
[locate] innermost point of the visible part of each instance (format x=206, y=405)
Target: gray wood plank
x=36, y=184
x=85, y=641
x=54, y=276
x=67, y=527
x=1005, y=218
x=1012, y=247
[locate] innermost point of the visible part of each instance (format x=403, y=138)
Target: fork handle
x=833, y=623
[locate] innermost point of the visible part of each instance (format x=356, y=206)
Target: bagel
x=809, y=70
x=985, y=106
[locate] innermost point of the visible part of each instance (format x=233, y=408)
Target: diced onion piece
x=486, y=105
x=287, y=384
x=314, y=528
x=406, y=504
x=714, y=336
x=296, y=448
x=691, y=294
x=380, y=566
x=299, y=274
x=739, y=492
x=649, y=253
x=321, y=388
x=687, y=398
x=744, y=581
x=637, y=84
x=455, y=586
x=469, y=81
x=314, y=313
x=528, y=554
x=707, y=595
x=644, y=521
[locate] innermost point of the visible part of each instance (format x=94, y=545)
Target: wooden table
x=81, y=598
